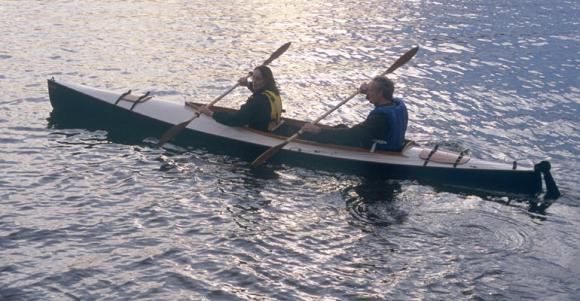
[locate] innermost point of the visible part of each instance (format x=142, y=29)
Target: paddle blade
x=172, y=132
x=402, y=60
x=277, y=53
x=268, y=154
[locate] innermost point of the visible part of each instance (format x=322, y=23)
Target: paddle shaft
x=224, y=95
x=275, y=149
x=300, y=132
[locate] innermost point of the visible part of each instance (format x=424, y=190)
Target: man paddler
x=385, y=126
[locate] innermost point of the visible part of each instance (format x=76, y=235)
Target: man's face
x=374, y=93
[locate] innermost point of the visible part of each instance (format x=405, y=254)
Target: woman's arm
x=254, y=111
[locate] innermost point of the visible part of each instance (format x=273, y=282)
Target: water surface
x=88, y=215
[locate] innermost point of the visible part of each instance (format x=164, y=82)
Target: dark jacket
x=255, y=113
x=360, y=135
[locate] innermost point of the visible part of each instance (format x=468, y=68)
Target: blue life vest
x=397, y=118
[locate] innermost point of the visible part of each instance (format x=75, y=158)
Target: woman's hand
x=243, y=81
x=205, y=110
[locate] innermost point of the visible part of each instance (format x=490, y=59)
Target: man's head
x=380, y=90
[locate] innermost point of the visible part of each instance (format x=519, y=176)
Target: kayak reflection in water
x=262, y=110
x=375, y=202
x=385, y=125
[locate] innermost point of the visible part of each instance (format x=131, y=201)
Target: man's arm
x=360, y=135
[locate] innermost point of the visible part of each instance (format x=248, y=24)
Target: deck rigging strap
x=134, y=99
x=461, y=154
x=431, y=154
x=141, y=99
x=122, y=96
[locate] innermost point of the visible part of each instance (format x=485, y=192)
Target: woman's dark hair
x=269, y=81
x=386, y=85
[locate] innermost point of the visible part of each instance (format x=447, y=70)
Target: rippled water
x=86, y=215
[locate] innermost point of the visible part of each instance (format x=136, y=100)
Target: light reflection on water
x=88, y=214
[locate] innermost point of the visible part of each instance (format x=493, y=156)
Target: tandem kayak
x=429, y=165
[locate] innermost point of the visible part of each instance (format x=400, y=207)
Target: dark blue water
x=88, y=214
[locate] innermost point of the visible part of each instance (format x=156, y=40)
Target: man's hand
x=363, y=88
x=311, y=128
